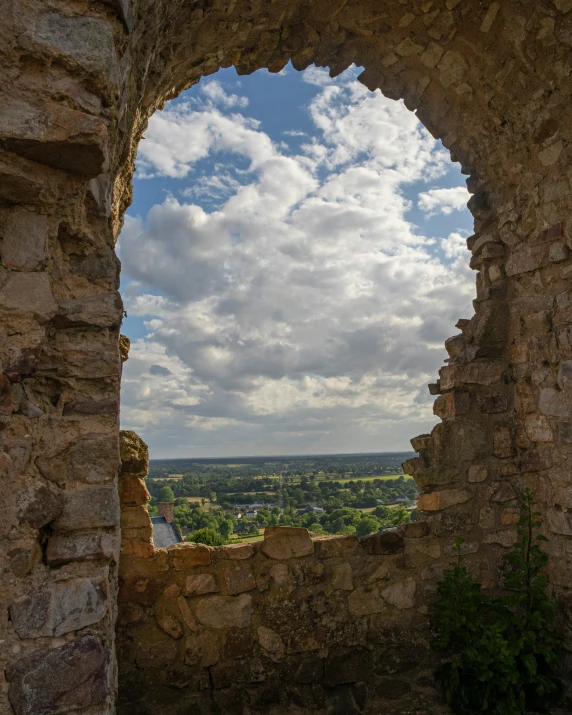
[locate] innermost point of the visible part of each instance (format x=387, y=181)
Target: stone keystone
x=287, y=542
x=59, y=680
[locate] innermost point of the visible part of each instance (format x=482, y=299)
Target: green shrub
x=500, y=655
x=207, y=536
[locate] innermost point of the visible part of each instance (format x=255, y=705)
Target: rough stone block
x=134, y=491
x=23, y=560
x=493, y=404
x=85, y=547
x=55, y=135
x=336, y=546
x=421, y=442
x=342, y=577
x=222, y=612
x=59, y=680
x=91, y=459
x=238, y=552
x=554, y=403
x=270, y=641
x=452, y=404
x=89, y=508
x=134, y=454
x=42, y=506
x=486, y=372
x=85, y=41
x=24, y=241
x=286, y=542
x=505, y=538
x=137, y=547
x=239, y=580
x=416, y=529
x=81, y=405
x=185, y=556
x=186, y=613
x=436, y=501
x=135, y=517
x=365, y=601
x=389, y=541
x=477, y=473
x=59, y=608
x=534, y=461
x=401, y=594
x=538, y=428
x=560, y=522
x=558, y=252
x=101, y=311
x=414, y=466
x=170, y=624
x=527, y=259
x=200, y=584
x=28, y=294
x=502, y=491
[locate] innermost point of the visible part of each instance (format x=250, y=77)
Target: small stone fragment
x=171, y=625
x=200, y=584
x=402, y=594
x=270, y=640
x=477, y=473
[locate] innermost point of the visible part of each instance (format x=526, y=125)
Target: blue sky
x=293, y=260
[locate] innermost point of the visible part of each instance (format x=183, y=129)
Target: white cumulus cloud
x=443, y=201
x=304, y=312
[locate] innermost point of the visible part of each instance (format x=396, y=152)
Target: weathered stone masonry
x=291, y=624
x=80, y=78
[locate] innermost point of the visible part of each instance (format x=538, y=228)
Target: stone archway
x=491, y=80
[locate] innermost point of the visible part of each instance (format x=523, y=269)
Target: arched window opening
x=293, y=261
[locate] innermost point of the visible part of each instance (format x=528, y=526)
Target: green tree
x=207, y=536
x=166, y=494
x=367, y=525
x=226, y=528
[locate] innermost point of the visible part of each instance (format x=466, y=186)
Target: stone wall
x=287, y=625
x=80, y=78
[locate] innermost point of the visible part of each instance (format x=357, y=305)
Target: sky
x=292, y=263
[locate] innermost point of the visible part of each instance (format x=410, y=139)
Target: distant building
x=251, y=514
x=165, y=532
x=310, y=510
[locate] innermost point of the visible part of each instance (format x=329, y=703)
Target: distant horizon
x=280, y=456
